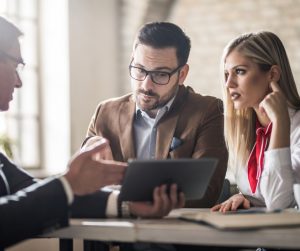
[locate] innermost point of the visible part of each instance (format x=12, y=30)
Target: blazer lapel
x=4, y=187
x=167, y=125
x=127, y=115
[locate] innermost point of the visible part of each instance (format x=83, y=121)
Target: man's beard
x=159, y=102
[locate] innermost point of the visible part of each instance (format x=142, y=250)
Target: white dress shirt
x=145, y=131
x=281, y=170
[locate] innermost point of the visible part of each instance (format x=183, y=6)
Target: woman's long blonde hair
x=265, y=49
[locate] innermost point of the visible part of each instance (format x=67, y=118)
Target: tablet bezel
x=191, y=175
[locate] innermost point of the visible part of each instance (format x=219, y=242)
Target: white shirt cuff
x=68, y=189
x=112, y=204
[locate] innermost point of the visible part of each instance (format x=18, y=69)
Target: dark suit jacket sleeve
x=16, y=177
x=90, y=206
x=34, y=207
x=40, y=207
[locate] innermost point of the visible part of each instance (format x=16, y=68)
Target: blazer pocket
x=185, y=150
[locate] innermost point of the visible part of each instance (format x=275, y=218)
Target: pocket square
x=175, y=143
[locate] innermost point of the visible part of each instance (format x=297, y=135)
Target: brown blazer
x=196, y=120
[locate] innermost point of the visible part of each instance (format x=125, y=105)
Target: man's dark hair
x=163, y=34
x=9, y=33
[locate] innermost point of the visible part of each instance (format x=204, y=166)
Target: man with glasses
x=162, y=118
x=29, y=207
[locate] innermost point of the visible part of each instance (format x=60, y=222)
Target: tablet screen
x=191, y=175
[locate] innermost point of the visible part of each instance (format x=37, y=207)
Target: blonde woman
x=262, y=122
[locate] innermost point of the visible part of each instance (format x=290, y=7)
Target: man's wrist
x=125, y=209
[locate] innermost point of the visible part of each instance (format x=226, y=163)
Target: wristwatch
x=125, y=209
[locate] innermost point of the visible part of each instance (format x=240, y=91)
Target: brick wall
x=211, y=24
x=132, y=15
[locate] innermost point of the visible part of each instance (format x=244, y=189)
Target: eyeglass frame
x=20, y=62
x=151, y=72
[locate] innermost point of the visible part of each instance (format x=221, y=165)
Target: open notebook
x=244, y=220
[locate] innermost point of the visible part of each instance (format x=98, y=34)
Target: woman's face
x=247, y=85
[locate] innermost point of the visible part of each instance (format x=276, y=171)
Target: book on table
x=245, y=219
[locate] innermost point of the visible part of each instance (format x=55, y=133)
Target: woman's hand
x=274, y=105
x=232, y=204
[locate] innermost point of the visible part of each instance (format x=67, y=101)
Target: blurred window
x=21, y=124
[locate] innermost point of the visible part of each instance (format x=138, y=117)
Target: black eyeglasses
x=19, y=61
x=157, y=77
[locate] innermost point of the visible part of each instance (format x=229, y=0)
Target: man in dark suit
x=162, y=118
x=29, y=207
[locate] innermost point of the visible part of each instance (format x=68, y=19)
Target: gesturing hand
x=232, y=204
x=87, y=175
x=105, y=152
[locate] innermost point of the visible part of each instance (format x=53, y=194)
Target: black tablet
x=191, y=175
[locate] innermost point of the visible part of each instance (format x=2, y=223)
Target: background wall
x=93, y=45
x=212, y=23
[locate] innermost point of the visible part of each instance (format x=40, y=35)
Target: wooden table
x=175, y=231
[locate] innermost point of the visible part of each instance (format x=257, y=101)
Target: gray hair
x=9, y=33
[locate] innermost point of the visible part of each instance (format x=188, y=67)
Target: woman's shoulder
x=295, y=122
x=294, y=116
